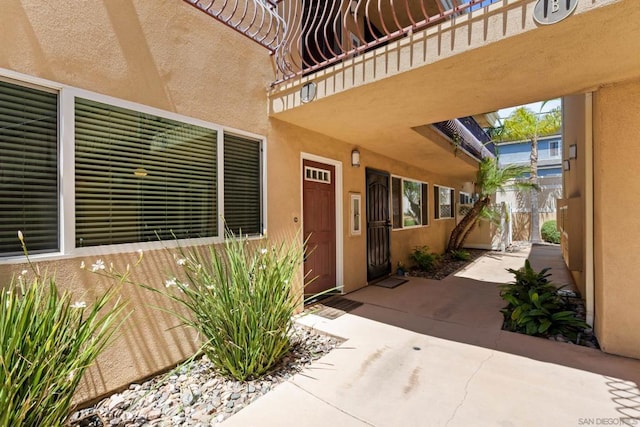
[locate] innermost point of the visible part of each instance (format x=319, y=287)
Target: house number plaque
x=548, y=12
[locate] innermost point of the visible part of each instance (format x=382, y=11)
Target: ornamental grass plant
x=46, y=343
x=240, y=300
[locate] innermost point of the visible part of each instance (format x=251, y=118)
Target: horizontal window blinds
x=141, y=177
x=242, y=184
x=28, y=169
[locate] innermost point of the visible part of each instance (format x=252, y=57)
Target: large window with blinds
x=141, y=175
x=28, y=169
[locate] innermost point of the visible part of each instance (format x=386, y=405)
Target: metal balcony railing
x=320, y=33
x=307, y=35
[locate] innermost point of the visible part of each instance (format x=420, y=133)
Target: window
x=554, y=149
x=141, y=177
x=28, y=169
x=467, y=198
x=355, y=214
x=242, y=184
x=409, y=203
x=443, y=199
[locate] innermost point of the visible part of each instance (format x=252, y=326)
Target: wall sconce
x=355, y=158
x=353, y=5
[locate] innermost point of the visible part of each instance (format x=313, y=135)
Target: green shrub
x=46, y=343
x=424, y=259
x=241, y=302
x=535, y=308
x=550, y=232
x=460, y=255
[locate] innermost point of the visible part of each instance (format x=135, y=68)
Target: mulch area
x=447, y=265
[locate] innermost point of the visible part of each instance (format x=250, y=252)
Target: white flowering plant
x=47, y=340
x=240, y=300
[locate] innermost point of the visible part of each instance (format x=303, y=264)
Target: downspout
x=589, y=215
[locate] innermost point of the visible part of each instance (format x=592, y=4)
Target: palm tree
x=524, y=124
x=490, y=180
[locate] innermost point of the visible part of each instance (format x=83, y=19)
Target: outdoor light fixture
x=355, y=158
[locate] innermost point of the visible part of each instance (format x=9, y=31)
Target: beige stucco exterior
x=616, y=126
x=599, y=240
x=159, y=54
x=167, y=55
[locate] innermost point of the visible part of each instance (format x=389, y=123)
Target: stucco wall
x=163, y=54
x=616, y=186
x=574, y=126
x=287, y=141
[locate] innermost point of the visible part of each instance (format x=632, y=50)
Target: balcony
x=383, y=71
x=321, y=33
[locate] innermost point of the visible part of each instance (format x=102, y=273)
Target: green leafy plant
x=535, y=307
x=460, y=255
x=550, y=232
x=46, y=343
x=424, y=259
x=241, y=302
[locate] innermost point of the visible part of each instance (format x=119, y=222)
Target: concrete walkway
x=431, y=353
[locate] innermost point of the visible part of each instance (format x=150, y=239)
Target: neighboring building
x=519, y=153
x=549, y=180
x=120, y=120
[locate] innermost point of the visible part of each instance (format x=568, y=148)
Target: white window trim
x=453, y=203
x=66, y=173
x=402, y=180
x=557, y=150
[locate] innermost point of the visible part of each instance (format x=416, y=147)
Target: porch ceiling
x=379, y=111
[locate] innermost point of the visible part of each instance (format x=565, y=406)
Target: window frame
x=425, y=214
x=555, y=149
x=436, y=207
x=66, y=171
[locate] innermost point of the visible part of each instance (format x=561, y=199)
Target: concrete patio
x=431, y=353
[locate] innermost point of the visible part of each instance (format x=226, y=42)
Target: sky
x=535, y=107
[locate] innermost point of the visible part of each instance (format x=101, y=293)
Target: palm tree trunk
x=464, y=227
x=535, y=216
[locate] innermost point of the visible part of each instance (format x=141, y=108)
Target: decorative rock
x=188, y=398
x=154, y=414
x=193, y=395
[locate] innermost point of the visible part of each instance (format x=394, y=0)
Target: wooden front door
x=319, y=226
x=378, y=225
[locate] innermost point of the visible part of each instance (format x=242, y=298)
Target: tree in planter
x=524, y=124
x=490, y=179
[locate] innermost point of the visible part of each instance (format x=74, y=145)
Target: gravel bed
x=194, y=395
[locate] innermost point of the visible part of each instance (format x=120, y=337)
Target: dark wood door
x=319, y=226
x=378, y=225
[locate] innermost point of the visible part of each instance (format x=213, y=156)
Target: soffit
x=579, y=54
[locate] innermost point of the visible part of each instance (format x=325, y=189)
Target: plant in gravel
x=240, y=301
x=424, y=259
x=550, y=232
x=46, y=343
x=460, y=255
x=535, y=307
